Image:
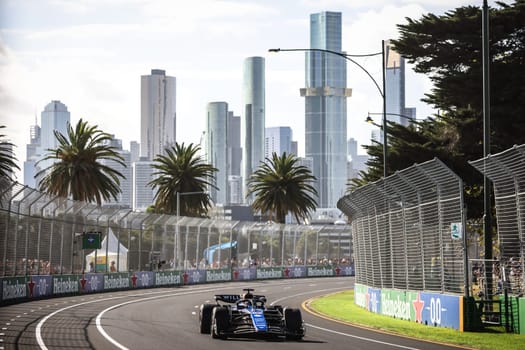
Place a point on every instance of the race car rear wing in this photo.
(233, 298)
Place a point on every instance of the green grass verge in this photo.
(341, 306)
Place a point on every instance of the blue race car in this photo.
(246, 315)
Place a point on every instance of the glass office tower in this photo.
(395, 88)
(253, 115)
(278, 139)
(218, 149)
(325, 108)
(157, 113)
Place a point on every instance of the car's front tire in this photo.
(220, 322)
(205, 315)
(293, 322)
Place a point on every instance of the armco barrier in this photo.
(26, 288)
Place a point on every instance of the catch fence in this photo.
(42, 234)
(506, 170)
(408, 230)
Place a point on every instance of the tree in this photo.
(78, 172)
(7, 161)
(281, 186)
(448, 48)
(182, 171)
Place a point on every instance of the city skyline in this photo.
(91, 57)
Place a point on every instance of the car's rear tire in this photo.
(293, 323)
(205, 318)
(220, 321)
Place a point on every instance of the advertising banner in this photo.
(194, 276)
(360, 292)
(39, 286)
(440, 310)
(320, 271)
(92, 283)
(394, 303)
(219, 275)
(244, 274)
(294, 272)
(142, 279)
(344, 270)
(66, 284)
(168, 278)
(269, 272)
(13, 288)
(116, 281)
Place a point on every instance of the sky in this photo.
(90, 54)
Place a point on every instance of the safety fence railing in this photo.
(408, 230)
(42, 234)
(506, 170)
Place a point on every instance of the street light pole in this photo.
(382, 92)
(385, 131)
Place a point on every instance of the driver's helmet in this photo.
(247, 295)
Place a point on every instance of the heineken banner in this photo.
(220, 275)
(269, 272)
(320, 271)
(13, 288)
(168, 278)
(116, 281)
(66, 284)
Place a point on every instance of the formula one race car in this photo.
(247, 316)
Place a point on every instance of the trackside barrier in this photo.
(506, 170)
(433, 309)
(410, 246)
(408, 230)
(47, 235)
(26, 288)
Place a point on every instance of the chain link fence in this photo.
(506, 170)
(408, 230)
(42, 234)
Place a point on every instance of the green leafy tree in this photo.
(78, 172)
(448, 48)
(281, 186)
(7, 161)
(182, 171)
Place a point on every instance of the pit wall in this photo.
(27, 288)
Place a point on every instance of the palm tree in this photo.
(281, 186)
(7, 161)
(182, 171)
(78, 172)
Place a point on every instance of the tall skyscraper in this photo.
(32, 155)
(134, 149)
(325, 108)
(235, 144)
(253, 117)
(125, 197)
(142, 193)
(395, 87)
(157, 113)
(278, 139)
(55, 116)
(218, 149)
